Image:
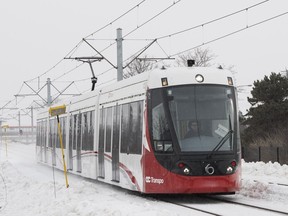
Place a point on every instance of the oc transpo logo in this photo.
(152, 180)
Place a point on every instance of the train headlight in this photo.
(199, 78)
(229, 170)
(164, 81)
(230, 80)
(186, 171)
(232, 167)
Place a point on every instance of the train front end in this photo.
(192, 138)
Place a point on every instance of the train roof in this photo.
(188, 75)
(156, 78)
(175, 76)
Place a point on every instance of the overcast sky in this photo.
(35, 35)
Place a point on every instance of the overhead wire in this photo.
(212, 21)
(152, 18)
(110, 23)
(159, 38)
(179, 32)
(79, 43)
(98, 30)
(73, 50)
(229, 34)
(144, 23)
(133, 30)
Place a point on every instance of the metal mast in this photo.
(119, 55)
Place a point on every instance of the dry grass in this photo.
(278, 138)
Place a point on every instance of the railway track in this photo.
(211, 205)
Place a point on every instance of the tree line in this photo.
(266, 122)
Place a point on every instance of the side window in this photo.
(124, 128)
(91, 117)
(88, 130)
(71, 131)
(44, 130)
(63, 128)
(75, 117)
(102, 127)
(79, 122)
(116, 126)
(38, 133)
(108, 130)
(51, 129)
(131, 127)
(136, 127)
(85, 131)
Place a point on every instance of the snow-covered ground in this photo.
(27, 188)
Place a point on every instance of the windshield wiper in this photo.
(221, 143)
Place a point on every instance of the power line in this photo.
(212, 21)
(232, 33)
(69, 71)
(152, 18)
(144, 23)
(170, 35)
(216, 39)
(136, 6)
(77, 46)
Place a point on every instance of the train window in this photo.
(91, 121)
(84, 131)
(38, 133)
(87, 130)
(101, 128)
(78, 146)
(56, 136)
(71, 132)
(199, 116)
(108, 130)
(44, 133)
(116, 126)
(51, 133)
(125, 128)
(136, 127)
(131, 128)
(74, 131)
(162, 139)
(63, 133)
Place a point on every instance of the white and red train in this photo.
(173, 130)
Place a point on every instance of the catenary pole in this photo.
(119, 55)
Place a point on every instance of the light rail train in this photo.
(172, 130)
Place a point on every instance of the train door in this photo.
(78, 142)
(52, 143)
(46, 137)
(101, 144)
(40, 138)
(71, 140)
(115, 144)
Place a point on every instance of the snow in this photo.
(27, 188)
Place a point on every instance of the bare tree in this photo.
(138, 66)
(202, 57)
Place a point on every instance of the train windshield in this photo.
(193, 118)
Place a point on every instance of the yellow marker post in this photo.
(56, 111)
